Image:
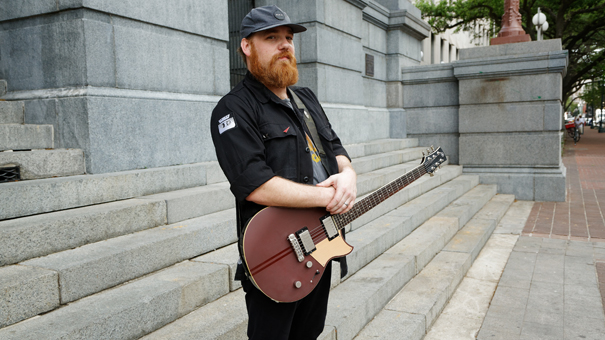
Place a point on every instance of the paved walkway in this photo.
(552, 264)
(553, 285)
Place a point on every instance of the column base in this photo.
(529, 184)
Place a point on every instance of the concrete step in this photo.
(12, 112)
(40, 235)
(379, 146)
(132, 310)
(52, 194)
(358, 298)
(410, 314)
(89, 269)
(37, 164)
(382, 160)
(92, 268)
(25, 137)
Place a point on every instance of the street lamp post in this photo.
(601, 121)
(539, 20)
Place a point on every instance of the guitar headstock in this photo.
(433, 159)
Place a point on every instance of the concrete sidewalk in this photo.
(542, 274)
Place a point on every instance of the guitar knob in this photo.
(297, 284)
(309, 264)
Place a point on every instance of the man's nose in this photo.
(284, 44)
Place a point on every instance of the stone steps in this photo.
(359, 297)
(37, 164)
(98, 265)
(40, 196)
(411, 313)
(26, 137)
(117, 252)
(38, 161)
(39, 235)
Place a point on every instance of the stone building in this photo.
(122, 225)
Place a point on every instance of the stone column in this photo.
(132, 83)
(510, 117)
(430, 100)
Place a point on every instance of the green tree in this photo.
(578, 23)
(593, 94)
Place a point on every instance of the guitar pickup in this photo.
(307, 242)
(329, 227)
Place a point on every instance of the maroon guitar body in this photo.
(286, 250)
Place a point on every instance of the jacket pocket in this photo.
(281, 151)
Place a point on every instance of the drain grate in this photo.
(9, 174)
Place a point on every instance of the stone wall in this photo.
(498, 112)
(511, 117)
(133, 83)
(430, 100)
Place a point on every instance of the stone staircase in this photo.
(30, 147)
(151, 253)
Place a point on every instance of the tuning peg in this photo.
(432, 148)
(431, 174)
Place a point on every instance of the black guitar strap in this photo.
(312, 129)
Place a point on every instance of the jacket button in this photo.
(306, 179)
(307, 149)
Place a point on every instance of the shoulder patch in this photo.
(226, 123)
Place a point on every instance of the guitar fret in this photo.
(378, 196)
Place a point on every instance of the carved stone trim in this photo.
(358, 3)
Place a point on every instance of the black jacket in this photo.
(257, 137)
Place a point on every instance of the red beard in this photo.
(279, 73)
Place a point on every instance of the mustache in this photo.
(287, 54)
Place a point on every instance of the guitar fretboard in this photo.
(378, 196)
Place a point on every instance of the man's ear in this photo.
(246, 47)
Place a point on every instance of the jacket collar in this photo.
(259, 90)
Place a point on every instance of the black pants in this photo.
(300, 320)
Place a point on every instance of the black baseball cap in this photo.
(266, 17)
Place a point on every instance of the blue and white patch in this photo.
(226, 123)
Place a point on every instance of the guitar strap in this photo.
(312, 129)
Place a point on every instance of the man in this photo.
(580, 122)
(267, 145)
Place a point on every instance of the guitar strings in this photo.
(318, 233)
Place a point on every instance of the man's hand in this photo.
(345, 183)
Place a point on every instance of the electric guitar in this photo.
(286, 250)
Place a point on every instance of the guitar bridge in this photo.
(329, 227)
(296, 246)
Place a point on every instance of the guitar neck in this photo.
(378, 196)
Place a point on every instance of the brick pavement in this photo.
(581, 217)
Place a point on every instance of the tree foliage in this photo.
(578, 23)
(594, 94)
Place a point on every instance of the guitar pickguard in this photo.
(327, 250)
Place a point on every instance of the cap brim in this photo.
(295, 28)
